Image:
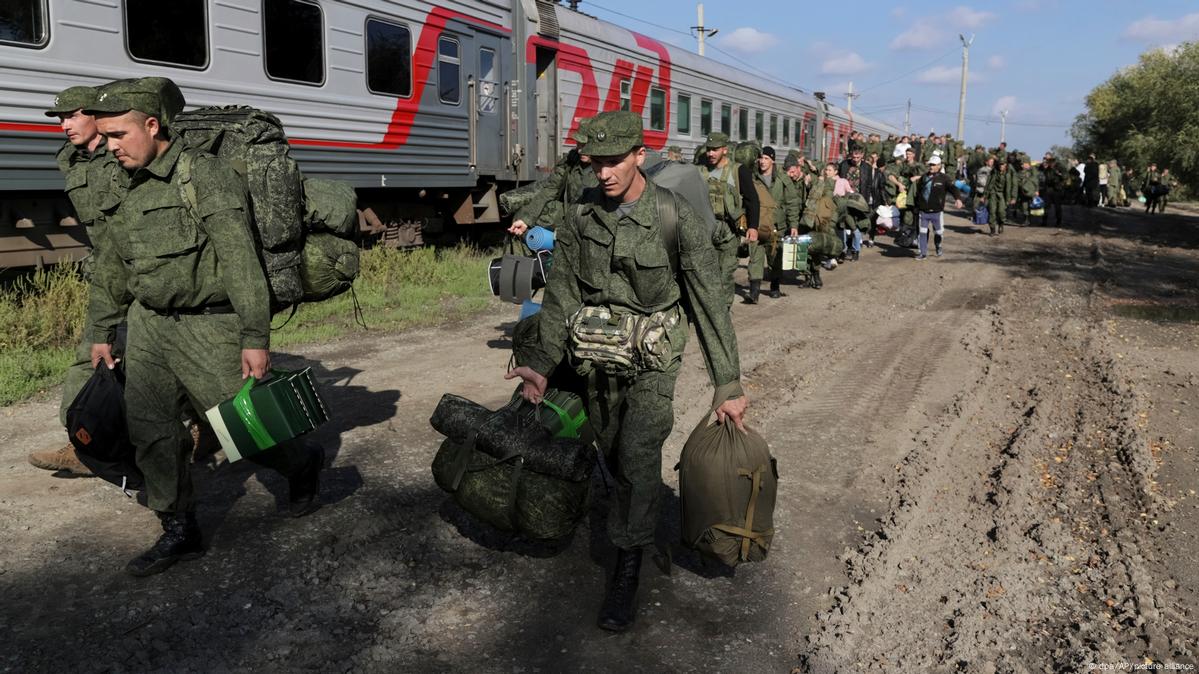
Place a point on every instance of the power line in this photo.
(900, 77)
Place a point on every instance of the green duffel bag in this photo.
(728, 483)
(521, 468)
(825, 244)
(502, 493)
(328, 266)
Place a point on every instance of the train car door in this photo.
(491, 101)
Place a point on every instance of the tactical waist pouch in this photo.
(622, 344)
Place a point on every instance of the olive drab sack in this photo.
(253, 141)
(728, 483)
(330, 206)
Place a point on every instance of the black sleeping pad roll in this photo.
(509, 432)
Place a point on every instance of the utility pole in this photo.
(849, 96)
(699, 31)
(965, 69)
(907, 120)
(1002, 126)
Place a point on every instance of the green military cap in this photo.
(155, 96)
(610, 134)
(717, 140)
(71, 99)
(791, 160)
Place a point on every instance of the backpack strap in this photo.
(668, 225)
(183, 167)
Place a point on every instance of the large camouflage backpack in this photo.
(746, 153)
(300, 267)
(253, 141)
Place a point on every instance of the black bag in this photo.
(97, 429)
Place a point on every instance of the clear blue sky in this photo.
(1036, 58)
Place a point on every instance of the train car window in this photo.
(787, 131)
(626, 95)
(774, 129)
(657, 110)
(174, 33)
(683, 115)
(705, 117)
(759, 126)
(388, 58)
(293, 33)
(743, 124)
(489, 82)
(449, 71)
(23, 23)
(726, 118)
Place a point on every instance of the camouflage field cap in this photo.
(792, 160)
(580, 134)
(717, 140)
(71, 99)
(610, 134)
(155, 96)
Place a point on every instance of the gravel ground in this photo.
(987, 464)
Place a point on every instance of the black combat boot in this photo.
(304, 486)
(180, 541)
(620, 607)
(755, 290)
(816, 284)
(775, 291)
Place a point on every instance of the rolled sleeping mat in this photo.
(539, 238)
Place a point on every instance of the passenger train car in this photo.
(429, 109)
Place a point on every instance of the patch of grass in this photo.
(26, 372)
(42, 314)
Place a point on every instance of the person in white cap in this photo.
(930, 204)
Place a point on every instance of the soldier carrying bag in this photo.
(728, 482)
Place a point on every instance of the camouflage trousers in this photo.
(632, 418)
(167, 358)
(765, 260)
(726, 244)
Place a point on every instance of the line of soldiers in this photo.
(181, 280)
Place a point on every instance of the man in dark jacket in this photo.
(1090, 182)
(860, 175)
(1055, 181)
(930, 203)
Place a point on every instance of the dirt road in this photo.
(988, 464)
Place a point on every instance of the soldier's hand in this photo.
(255, 363)
(752, 235)
(733, 410)
(957, 203)
(534, 383)
(103, 352)
(794, 232)
(518, 228)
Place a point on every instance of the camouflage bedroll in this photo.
(328, 267)
(330, 206)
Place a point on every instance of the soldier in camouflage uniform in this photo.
(909, 172)
(1055, 183)
(611, 259)
(189, 282)
(92, 179)
(1000, 193)
(779, 215)
(729, 181)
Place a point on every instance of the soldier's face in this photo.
(617, 173)
(765, 164)
(795, 172)
(79, 128)
(130, 138)
(715, 155)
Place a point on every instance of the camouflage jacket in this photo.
(156, 250)
(545, 204)
(1002, 186)
(604, 259)
(786, 199)
(94, 180)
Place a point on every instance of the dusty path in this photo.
(985, 467)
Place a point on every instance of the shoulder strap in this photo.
(668, 225)
(188, 189)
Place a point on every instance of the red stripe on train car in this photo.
(30, 128)
(402, 119)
